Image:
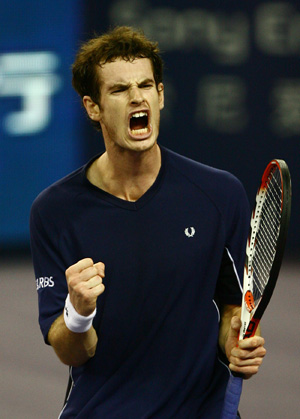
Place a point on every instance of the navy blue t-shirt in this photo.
(168, 258)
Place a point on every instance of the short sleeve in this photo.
(48, 267)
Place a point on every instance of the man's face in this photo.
(130, 104)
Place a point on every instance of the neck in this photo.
(127, 175)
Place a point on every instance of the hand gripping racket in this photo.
(264, 252)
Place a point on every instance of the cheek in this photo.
(113, 123)
(109, 117)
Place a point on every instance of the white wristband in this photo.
(75, 321)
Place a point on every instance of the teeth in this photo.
(139, 131)
(139, 114)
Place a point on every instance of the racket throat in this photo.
(249, 322)
(252, 327)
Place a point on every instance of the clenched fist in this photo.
(84, 280)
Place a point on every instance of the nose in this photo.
(136, 97)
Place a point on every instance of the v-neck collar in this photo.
(129, 205)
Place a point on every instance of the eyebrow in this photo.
(118, 86)
(121, 85)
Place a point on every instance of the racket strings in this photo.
(267, 234)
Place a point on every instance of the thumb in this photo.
(233, 334)
(235, 326)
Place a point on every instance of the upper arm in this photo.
(49, 268)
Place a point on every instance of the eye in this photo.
(119, 90)
(146, 86)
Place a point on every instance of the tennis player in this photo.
(139, 254)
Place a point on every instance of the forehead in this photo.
(121, 71)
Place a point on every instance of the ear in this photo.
(161, 96)
(92, 108)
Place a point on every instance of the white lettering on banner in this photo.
(277, 29)
(224, 36)
(30, 76)
(285, 103)
(221, 103)
(225, 39)
(44, 282)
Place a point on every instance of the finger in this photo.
(100, 268)
(79, 266)
(88, 274)
(91, 295)
(248, 354)
(84, 299)
(98, 290)
(93, 282)
(78, 281)
(235, 325)
(234, 331)
(240, 362)
(251, 343)
(247, 371)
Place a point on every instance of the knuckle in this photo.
(86, 262)
(68, 271)
(92, 272)
(80, 289)
(71, 280)
(254, 342)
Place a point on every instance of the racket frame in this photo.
(250, 320)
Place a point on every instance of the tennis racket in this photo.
(264, 253)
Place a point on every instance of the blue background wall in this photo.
(232, 85)
(40, 117)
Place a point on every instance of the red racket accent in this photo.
(249, 300)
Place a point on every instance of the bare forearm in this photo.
(72, 348)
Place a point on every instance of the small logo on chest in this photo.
(189, 232)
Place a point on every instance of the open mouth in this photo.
(139, 123)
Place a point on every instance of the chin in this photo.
(129, 144)
(143, 145)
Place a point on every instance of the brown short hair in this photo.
(121, 42)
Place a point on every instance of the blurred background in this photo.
(232, 86)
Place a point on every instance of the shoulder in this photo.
(215, 183)
(58, 200)
(59, 192)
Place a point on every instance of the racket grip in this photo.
(232, 397)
